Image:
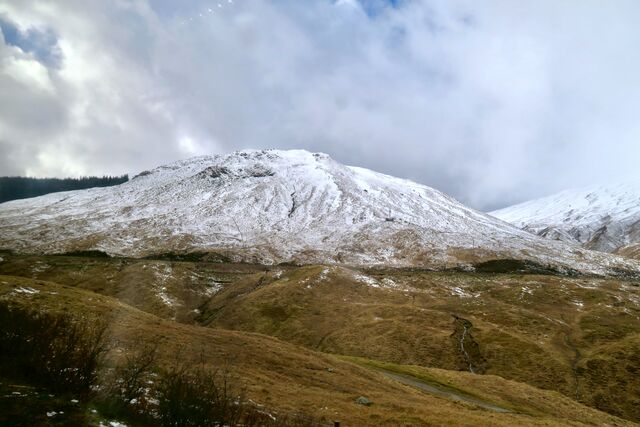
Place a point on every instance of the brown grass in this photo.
(578, 336)
(284, 377)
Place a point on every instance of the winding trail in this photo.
(444, 392)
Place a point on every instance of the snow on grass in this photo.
(112, 424)
(589, 285)
(309, 282)
(369, 281)
(213, 288)
(525, 290)
(461, 291)
(166, 298)
(385, 283)
(26, 290)
(162, 277)
(456, 290)
(277, 206)
(390, 284)
(324, 274)
(39, 267)
(604, 216)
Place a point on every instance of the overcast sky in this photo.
(493, 102)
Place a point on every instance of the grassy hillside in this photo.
(631, 251)
(575, 335)
(287, 378)
(578, 336)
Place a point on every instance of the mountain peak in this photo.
(604, 217)
(272, 206)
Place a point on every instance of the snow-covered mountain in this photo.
(277, 206)
(603, 218)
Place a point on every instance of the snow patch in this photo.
(112, 424)
(456, 290)
(213, 288)
(162, 275)
(369, 281)
(321, 277)
(39, 267)
(26, 290)
(578, 303)
(590, 285)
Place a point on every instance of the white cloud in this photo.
(493, 103)
(30, 73)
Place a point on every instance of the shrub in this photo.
(198, 397)
(55, 351)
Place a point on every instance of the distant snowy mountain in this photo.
(605, 218)
(279, 206)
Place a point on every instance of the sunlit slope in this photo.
(284, 377)
(575, 335)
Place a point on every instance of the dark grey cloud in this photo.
(494, 103)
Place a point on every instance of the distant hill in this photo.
(603, 218)
(20, 187)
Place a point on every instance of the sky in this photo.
(494, 102)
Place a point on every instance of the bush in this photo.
(63, 355)
(182, 396)
(198, 397)
(55, 351)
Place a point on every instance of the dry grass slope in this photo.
(287, 378)
(578, 336)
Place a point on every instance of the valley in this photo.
(575, 337)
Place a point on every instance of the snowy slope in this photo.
(604, 218)
(275, 206)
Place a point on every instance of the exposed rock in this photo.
(363, 401)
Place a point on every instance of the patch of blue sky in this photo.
(42, 44)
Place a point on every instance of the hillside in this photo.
(280, 206)
(602, 218)
(282, 377)
(575, 335)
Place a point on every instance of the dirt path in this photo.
(443, 392)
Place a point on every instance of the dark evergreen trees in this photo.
(18, 187)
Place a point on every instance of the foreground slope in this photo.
(279, 206)
(603, 218)
(575, 335)
(284, 378)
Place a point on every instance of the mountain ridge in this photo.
(604, 218)
(271, 206)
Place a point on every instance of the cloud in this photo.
(493, 103)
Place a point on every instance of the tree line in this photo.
(19, 187)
